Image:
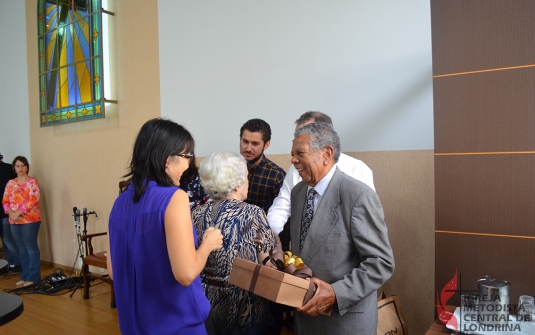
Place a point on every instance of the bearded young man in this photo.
(265, 181)
(265, 177)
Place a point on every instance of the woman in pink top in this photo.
(21, 202)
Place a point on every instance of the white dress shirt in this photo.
(279, 212)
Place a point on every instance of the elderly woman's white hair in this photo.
(221, 173)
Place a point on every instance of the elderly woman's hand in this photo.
(213, 238)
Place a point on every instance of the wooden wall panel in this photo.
(474, 257)
(404, 181)
(491, 194)
(491, 112)
(484, 91)
(481, 34)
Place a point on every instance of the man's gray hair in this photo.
(313, 116)
(221, 173)
(322, 135)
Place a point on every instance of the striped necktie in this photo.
(307, 215)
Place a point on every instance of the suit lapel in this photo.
(325, 216)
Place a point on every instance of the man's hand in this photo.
(323, 299)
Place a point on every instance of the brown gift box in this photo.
(271, 284)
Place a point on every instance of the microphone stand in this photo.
(85, 230)
(80, 251)
(85, 215)
(77, 226)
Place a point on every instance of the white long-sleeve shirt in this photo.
(279, 212)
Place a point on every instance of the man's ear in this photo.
(328, 155)
(266, 145)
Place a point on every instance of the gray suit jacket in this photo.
(347, 246)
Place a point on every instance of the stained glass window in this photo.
(71, 68)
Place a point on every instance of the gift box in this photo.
(271, 284)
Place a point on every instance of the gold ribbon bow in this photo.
(292, 264)
(291, 259)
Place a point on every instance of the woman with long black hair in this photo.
(153, 256)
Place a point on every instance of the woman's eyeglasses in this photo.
(187, 156)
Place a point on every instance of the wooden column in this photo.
(484, 110)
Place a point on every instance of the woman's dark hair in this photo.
(23, 160)
(157, 140)
(189, 175)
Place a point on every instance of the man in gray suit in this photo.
(337, 227)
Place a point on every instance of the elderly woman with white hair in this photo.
(246, 234)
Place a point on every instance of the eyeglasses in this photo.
(187, 156)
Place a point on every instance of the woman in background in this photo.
(246, 235)
(153, 257)
(21, 203)
(191, 184)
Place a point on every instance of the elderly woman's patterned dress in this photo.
(245, 234)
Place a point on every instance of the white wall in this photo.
(365, 63)
(14, 109)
